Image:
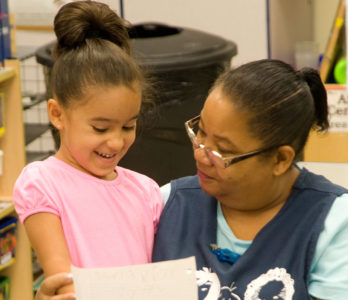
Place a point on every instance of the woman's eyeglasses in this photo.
(215, 157)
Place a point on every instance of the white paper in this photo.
(169, 280)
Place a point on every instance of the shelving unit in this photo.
(32, 131)
(13, 145)
(38, 139)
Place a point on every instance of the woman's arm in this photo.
(328, 274)
(50, 285)
(46, 235)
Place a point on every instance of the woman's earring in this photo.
(59, 127)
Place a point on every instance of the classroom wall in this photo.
(323, 16)
(244, 22)
(290, 22)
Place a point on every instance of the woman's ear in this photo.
(55, 113)
(283, 159)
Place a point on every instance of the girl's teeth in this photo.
(105, 155)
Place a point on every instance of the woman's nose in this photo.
(201, 156)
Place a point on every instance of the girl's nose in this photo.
(115, 143)
(201, 156)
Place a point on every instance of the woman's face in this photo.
(224, 128)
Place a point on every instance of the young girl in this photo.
(78, 207)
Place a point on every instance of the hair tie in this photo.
(93, 33)
(300, 75)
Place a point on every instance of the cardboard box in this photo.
(333, 145)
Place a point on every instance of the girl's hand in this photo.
(49, 287)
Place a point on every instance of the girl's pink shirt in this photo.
(106, 223)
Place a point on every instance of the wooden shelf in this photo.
(13, 145)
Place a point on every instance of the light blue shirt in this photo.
(328, 277)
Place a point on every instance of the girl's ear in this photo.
(55, 113)
(283, 160)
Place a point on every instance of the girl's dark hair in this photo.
(283, 104)
(92, 50)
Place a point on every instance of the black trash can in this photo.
(183, 64)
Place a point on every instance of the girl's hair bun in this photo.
(78, 21)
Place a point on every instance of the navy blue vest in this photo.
(278, 261)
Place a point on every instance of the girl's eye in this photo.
(129, 128)
(97, 129)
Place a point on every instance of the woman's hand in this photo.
(49, 287)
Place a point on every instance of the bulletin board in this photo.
(41, 13)
(33, 13)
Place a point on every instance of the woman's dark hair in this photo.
(284, 104)
(92, 50)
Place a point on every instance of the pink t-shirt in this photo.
(106, 223)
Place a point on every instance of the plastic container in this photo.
(306, 54)
(340, 71)
(183, 63)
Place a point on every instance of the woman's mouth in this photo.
(203, 175)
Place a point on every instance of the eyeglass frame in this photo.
(228, 161)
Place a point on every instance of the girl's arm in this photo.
(46, 235)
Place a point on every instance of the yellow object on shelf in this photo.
(9, 263)
(6, 208)
(6, 73)
(2, 126)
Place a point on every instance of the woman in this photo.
(251, 131)
(258, 225)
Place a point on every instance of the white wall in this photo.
(243, 22)
(290, 22)
(324, 14)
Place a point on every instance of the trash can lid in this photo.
(165, 48)
(181, 48)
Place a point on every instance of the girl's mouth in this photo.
(104, 155)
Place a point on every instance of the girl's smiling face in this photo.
(97, 132)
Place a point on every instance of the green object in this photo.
(340, 71)
(4, 288)
(38, 282)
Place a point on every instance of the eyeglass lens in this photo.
(212, 155)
